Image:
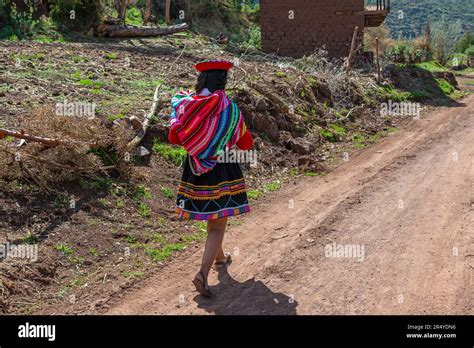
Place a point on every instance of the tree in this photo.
(444, 35)
(464, 43)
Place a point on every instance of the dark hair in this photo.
(213, 80)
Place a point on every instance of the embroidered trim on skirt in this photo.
(219, 193)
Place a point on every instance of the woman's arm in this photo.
(246, 141)
(173, 138)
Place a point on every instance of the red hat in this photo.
(214, 65)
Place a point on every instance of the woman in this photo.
(207, 123)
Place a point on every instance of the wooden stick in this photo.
(146, 123)
(147, 14)
(43, 140)
(21, 135)
(377, 58)
(168, 10)
(155, 107)
(351, 52)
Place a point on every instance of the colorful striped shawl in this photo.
(206, 126)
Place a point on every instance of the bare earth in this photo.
(408, 201)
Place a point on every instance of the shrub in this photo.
(77, 14)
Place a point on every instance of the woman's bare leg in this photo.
(213, 248)
(221, 256)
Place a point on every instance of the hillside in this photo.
(416, 13)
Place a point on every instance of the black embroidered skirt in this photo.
(213, 195)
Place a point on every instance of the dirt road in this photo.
(402, 212)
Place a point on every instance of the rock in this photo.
(301, 146)
(261, 105)
(459, 67)
(142, 151)
(305, 161)
(284, 139)
(272, 129)
(135, 122)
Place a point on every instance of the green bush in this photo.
(469, 51)
(77, 14)
(254, 37)
(20, 25)
(134, 16)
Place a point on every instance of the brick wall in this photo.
(316, 23)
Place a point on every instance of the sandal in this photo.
(201, 286)
(227, 262)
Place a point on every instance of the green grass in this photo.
(465, 71)
(130, 239)
(311, 174)
(445, 86)
(432, 66)
(254, 194)
(334, 133)
(164, 252)
(91, 83)
(9, 138)
(158, 238)
(111, 56)
(327, 134)
(144, 210)
(173, 154)
(141, 193)
(272, 186)
(119, 116)
(96, 183)
(448, 89)
(29, 239)
(168, 192)
(394, 94)
(79, 59)
(64, 249)
(197, 236)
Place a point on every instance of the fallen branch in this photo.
(115, 30)
(155, 108)
(38, 139)
(146, 123)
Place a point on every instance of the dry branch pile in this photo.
(77, 146)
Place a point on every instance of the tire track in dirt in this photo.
(406, 200)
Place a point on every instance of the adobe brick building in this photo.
(298, 27)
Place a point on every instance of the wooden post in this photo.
(147, 14)
(123, 10)
(168, 10)
(351, 53)
(378, 60)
